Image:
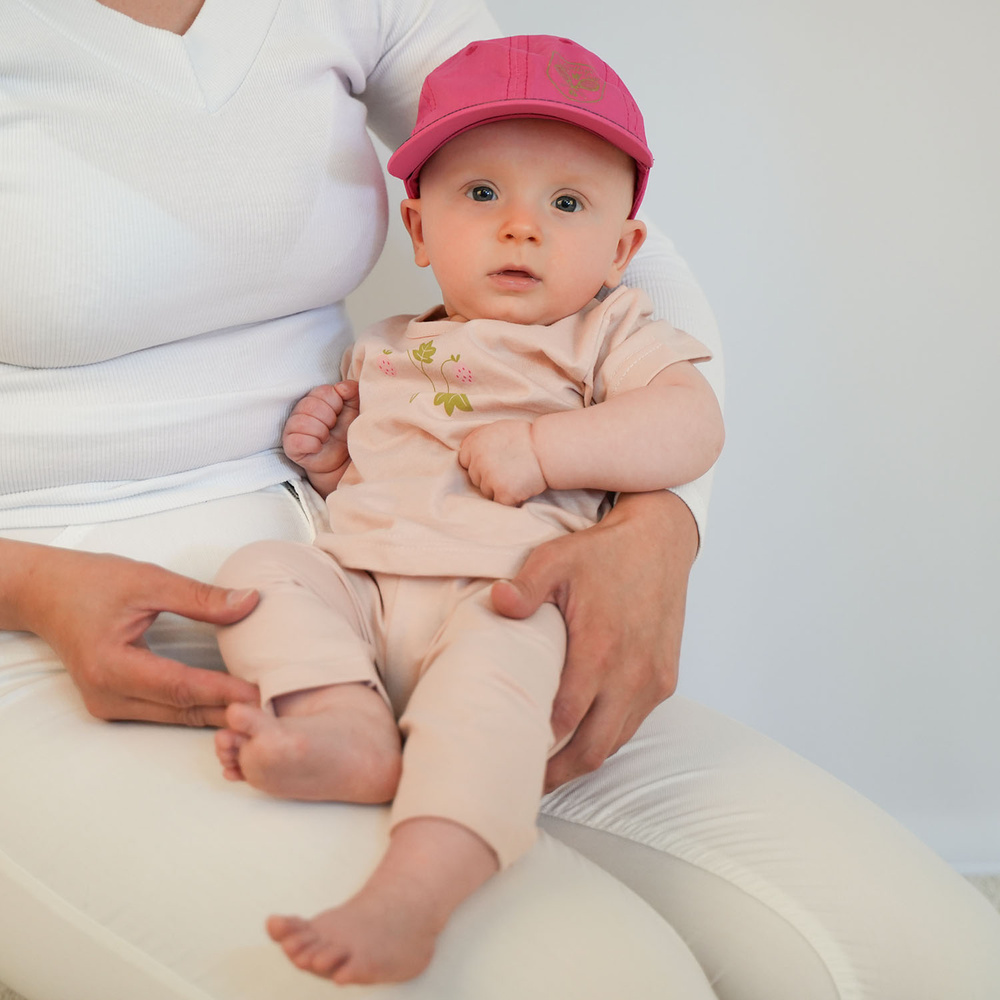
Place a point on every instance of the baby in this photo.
(489, 424)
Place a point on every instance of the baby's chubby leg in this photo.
(309, 645)
(331, 744)
(387, 931)
(477, 731)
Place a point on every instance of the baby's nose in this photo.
(520, 226)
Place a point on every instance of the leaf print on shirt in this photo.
(452, 401)
(423, 356)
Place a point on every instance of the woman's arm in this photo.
(621, 587)
(413, 39)
(93, 610)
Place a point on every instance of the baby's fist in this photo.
(315, 434)
(501, 462)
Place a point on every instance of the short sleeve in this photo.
(415, 37)
(635, 348)
(350, 363)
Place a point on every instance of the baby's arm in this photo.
(663, 434)
(315, 434)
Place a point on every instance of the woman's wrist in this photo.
(661, 516)
(20, 562)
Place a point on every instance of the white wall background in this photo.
(831, 172)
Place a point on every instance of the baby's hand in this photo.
(501, 462)
(315, 434)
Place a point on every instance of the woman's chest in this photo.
(171, 15)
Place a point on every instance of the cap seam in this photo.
(543, 100)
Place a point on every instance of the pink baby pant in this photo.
(472, 690)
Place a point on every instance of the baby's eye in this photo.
(567, 203)
(482, 192)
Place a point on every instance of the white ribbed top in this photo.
(182, 218)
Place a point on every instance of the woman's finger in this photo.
(142, 686)
(161, 590)
(593, 742)
(137, 710)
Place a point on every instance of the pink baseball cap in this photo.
(525, 76)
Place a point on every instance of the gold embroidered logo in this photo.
(578, 81)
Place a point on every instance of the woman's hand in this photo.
(93, 610)
(621, 587)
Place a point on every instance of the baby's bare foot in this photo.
(387, 932)
(347, 751)
(364, 941)
(228, 744)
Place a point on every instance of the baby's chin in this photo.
(515, 310)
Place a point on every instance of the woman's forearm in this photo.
(662, 515)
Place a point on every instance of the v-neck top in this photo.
(183, 216)
(202, 67)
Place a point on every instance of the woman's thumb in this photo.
(518, 598)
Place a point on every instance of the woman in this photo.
(189, 193)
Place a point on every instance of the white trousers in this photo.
(702, 862)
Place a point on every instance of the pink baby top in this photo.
(405, 505)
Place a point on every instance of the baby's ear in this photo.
(410, 210)
(633, 235)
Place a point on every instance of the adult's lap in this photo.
(124, 851)
(129, 867)
(784, 882)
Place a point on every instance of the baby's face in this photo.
(524, 220)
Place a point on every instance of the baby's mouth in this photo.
(516, 274)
